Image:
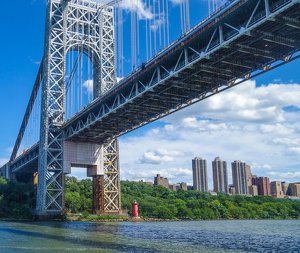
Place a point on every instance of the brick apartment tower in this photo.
(249, 175)
(276, 189)
(158, 180)
(239, 177)
(263, 185)
(220, 175)
(200, 174)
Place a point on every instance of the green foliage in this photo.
(78, 195)
(16, 199)
(160, 202)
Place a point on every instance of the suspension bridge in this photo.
(81, 109)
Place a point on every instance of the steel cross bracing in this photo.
(83, 26)
(245, 39)
(241, 41)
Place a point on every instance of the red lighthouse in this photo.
(135, 210)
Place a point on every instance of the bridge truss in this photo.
(87, 27)
(244, 39)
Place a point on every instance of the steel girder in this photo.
(87, 27)
(112, 195)
(215, 55)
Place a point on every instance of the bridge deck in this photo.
(218, 53)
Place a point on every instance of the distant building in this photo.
(232, 190)
(286, 189)
(276, 189)
(142, 181)
(173, 187)
(249, 175)
(183, 186)
(158, 180)
(239, 177)
(295, 189)
(220, 176)
(263, 185)
(253, 190)
(200, 174)
(190, 188)
(176, 187)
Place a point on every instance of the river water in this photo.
(180, 236)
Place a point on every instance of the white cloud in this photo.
(287, 142)
(277, 129)
(238, 124)
(294, 151)
(173, 174)
(288, 176)
(245, 103)
(160, 156)
(89, 85)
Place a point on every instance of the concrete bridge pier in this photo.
(102, 164)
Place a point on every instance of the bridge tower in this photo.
(88, 27)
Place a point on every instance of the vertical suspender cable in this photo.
(150, 41)
(81, 59)
(187, 15)
(184, 16)
(181, 17)
(154, 27)
(132, 36)
(208, 7)
(72, 84)
(167, 7)
(146, 21)
(159, 24)
(163, 20)
(138, 33)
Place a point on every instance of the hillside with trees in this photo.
(17, 199)
(158, 201)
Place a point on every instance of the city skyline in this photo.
(263, 112)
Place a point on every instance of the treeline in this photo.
(160, 202)
(16, 199)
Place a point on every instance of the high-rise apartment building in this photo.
(239, 177)
(200, 174)
(249, 175)
(220, 176)
(263, 185)
(158, 180)
(286, 189)
(295, 189)
(276, 189)
(253, 190)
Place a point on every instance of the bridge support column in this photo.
(98, 195)
(112, 187)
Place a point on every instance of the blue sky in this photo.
(256, 122)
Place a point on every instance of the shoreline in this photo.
(131, 220)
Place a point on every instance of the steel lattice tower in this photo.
(87, 27)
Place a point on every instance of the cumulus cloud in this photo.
(255, 166)
(294, 151)
(160, 156)
(89, 85)
(173, 174)
(287, 142)
(277, 129)
(246, 123)
(138, 6)
(288, 176)
(246, 103)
